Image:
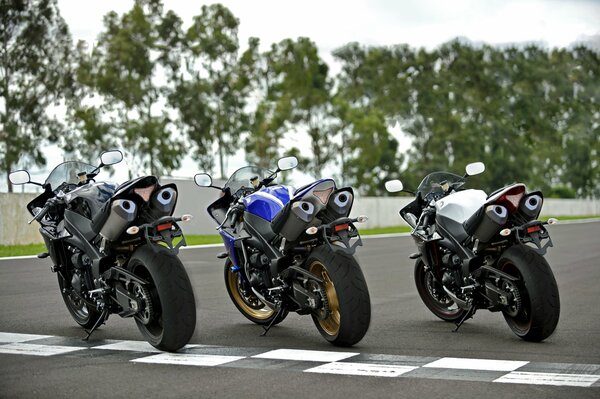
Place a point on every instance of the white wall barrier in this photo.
(382, 211)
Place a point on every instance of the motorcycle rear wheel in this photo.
(539, 311)
(433, 296)
(172, 321)
(347, 295)
(246, 302)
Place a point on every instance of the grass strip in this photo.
(193, 239)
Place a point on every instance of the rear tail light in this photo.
(512, 198)
(144, 192)
(341, 227)
(533, 229)
(164, 226)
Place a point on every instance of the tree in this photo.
(132, 69)
(267, 118)
(305, 94)
(211, 99)
(35, 75)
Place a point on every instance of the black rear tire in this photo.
(246, 302)
(347, 295)
(433, 296)
(82, 313)
(540, 302)
(174, 309)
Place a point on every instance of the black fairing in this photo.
(455, 228)
(144, 181)
(259, 225)
(89, 200)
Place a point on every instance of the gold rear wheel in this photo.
(331, 323)
(346, 312)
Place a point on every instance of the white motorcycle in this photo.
(479, 251)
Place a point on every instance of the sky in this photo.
(333, 23)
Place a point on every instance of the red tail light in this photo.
(341, 227)
(164, 226)
(533, 229)
(512, 198)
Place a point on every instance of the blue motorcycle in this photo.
(292, 250)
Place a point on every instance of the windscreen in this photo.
(67, 173)
(433, 182)
(241, 177)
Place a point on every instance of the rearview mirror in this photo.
(287, 163)
(394, 186)
(19, 177)
(203, 180)
(475, 168)
(111, 157)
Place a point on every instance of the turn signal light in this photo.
(186, 218)
(312, 230)
(552, 221)
(505, 232)
(362, 219)
(133, 230)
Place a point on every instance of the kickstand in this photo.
(267, 328)
(100, 321)
(470, 313)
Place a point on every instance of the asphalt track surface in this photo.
(401, 328)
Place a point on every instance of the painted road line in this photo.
(187, 359)
(476, 364)
(316, 362)
(364, 369)
(37, 350)
(305, 355)
(134, 346)
(15, 337)
(531, 378)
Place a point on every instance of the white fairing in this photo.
(461, 205)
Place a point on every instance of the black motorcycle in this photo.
(482, 252)
(114, 250)
(292, 250)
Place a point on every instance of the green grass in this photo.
(202, 239)
(21, 250)
(34, 249)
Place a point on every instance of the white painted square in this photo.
(187, 359)
(134, 346)
(531, 378)
(366, 369)
(476, 364)
(305, 355)
(19, 348)
(14, 337)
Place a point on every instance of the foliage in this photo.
(122, 71)
(35, 76)
(149, 86)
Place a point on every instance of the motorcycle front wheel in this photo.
(168, 316)
(433, 296)
(246, 302)
(83, 314)
(535, 310)
(348, 315)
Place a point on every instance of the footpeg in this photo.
(416, 255)
(43, 255)
(222, 255)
